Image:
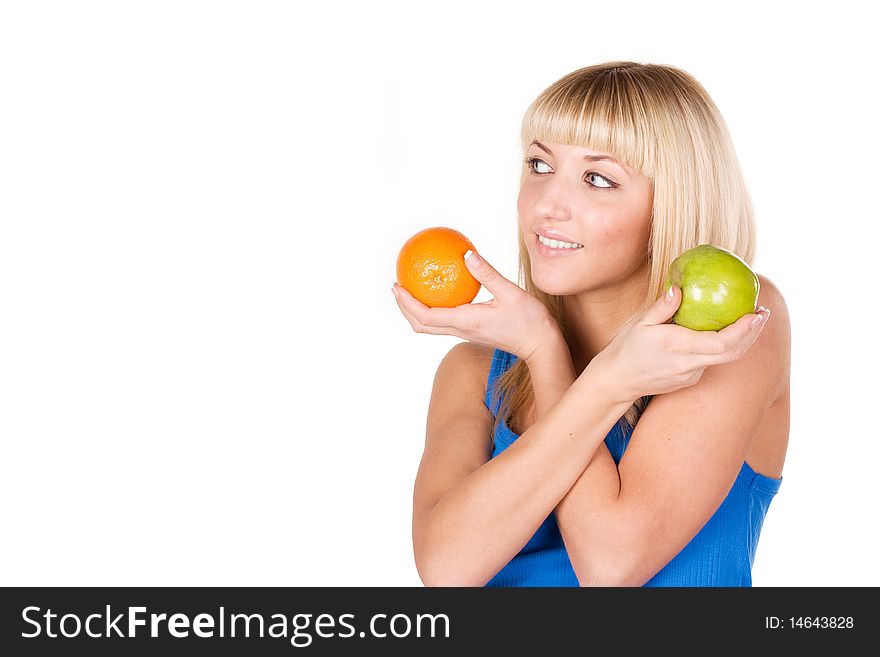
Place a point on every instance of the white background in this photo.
(204, 379)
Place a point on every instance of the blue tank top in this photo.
(721, 554)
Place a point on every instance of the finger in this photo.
(487, 275)
(408, 304)
(664, 308)
(425, 315)
(412, 320)
(418, 326)
(457, 320)
(735, 340)
(746, 327)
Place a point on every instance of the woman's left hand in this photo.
(513, 321)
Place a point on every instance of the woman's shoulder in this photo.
(770, 296)
(467, 362)
(774, 342)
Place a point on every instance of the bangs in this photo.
(604, 112)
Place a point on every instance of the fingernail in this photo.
(763, 316)
(471, 258)
(394, 289)
(669, 294)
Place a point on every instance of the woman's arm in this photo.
(683, 457)
(552, 373)
(469, 521)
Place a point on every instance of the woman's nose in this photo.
(553, 202)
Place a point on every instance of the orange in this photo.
(431, 268)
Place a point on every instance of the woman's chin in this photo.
(552, 285)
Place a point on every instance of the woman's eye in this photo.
(605, 184)
(533, 164)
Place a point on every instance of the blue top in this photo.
(721, 554)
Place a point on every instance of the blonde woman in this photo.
(579, 437)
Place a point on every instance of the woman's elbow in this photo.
(609, 571)
(437, 574)
(437, 567)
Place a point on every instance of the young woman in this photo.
(579, 437)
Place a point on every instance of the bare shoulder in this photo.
(467, 364)
(773, 346)
(457, 408)
(771, 297)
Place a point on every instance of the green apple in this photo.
(717, 288)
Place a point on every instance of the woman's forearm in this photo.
(598, 486)
(552, 373)
(477, 527)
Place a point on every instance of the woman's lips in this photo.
(550, 252)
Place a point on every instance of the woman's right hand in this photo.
(513, 320)
(649, 356)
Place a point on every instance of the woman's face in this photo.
(601, 205)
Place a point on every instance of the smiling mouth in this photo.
(558, 244)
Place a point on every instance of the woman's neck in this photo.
(595, 316)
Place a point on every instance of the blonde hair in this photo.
(662, 123)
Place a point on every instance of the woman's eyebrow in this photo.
(588, 158)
